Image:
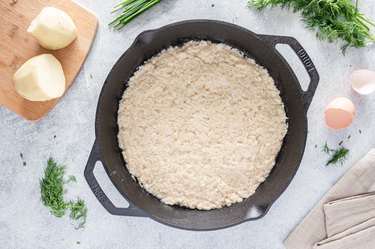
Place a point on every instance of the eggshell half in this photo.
(339, 113)
(363, 81)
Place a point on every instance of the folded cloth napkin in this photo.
(357, 237)
(343, 214)
(358, 180)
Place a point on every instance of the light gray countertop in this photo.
(26, 223)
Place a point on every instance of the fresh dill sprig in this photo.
(52, 188)
(338, 156)
(78, 211)
(331, 19)
(71, 179)
(326, 149)
(52, 193)
(129, 10)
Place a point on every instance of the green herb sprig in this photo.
(331, 19)
(78, 211)
(52, 193)
(52, 188)
(337, 155)
(129, 10)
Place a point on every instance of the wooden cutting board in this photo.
(17, 46)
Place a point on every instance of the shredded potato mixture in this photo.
(200, 125)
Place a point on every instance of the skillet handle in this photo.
(308, 95)
(94, 157)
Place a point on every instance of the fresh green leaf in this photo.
(72, 179)
(338, 156)
(332, 20)
(52, 188)
(52, 193)
(78, 211)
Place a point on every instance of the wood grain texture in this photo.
(17, 46)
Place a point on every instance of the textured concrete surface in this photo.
(26, 223)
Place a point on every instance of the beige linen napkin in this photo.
(345, 213)
(358, 180)
(357, 237)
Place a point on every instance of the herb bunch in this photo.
(52, 193)
(332, 19)
(129, 10)
(337, 155)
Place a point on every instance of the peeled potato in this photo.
(41, 78)
(53, 29)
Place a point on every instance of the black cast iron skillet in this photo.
(259, 47)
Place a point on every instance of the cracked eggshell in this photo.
(339, 113)
(363, 81)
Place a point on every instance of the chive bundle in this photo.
(129, 10)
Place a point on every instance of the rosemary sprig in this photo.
(130, 9)
(331, 19)
(52, 193)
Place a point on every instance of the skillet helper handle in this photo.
(94, 157)
(308, 95)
